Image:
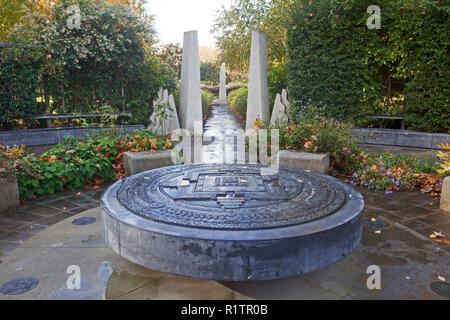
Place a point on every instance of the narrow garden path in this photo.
(220, 128)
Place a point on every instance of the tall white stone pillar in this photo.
(258, 88)
(190, 92)
(222, 101)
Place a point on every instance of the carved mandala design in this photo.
(230, 196)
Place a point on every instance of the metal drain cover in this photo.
(376, 224)
(19, 286)
(441, 288)
(84, 221)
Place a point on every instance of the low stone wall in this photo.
(445, 195)
(402, 138)
(52, 136)
(303, 160)
(9, 194)
(135, 162)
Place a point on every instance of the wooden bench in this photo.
(388, 116)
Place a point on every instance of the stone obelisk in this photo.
(258, 88)
(190, 92)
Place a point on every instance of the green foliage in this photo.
(395, 172)
(278, 80)
(233, 28)
(109, 60)
(428, 90)
(75, 163)
(207, 99)
(171, 55)
(238, 101)
(209, 73)
(18, 86)
(324, 135)
(326, 63)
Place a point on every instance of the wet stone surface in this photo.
(19, 286)
(220, 130)
(84, 221)
(34, 216)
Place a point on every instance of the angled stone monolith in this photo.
(190, 92)
(281, 109)
(164, 125)
(258, 89)
(284, 100)
(172, 122)
(278, 112)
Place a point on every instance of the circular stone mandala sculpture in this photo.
(231, 222)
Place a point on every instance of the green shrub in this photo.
(238, 100)
(324, 135)
(428, 90)
(207, 99)
(19, 85)
(278, 80)
(327, 51)
(75, 163)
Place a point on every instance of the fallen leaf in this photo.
(442, 240)
(432, 236)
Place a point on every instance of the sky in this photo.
(174, 17)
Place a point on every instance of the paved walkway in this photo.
(222, 124)
(34, 216)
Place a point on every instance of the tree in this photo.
(233, 31)
(172, 55)
(209, 73)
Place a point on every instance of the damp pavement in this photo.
(220, 129)
(45, 238)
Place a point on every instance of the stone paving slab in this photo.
(34, 216)
(409, 262)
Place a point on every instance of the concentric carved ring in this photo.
(231, 197)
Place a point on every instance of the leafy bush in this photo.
(8, 158)
(207, 99)
(75, 162)
(327, 65)
(18, 85)
(323, 135)
(278, 80)
(209, 73)
(238, 101)
(428, 90)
